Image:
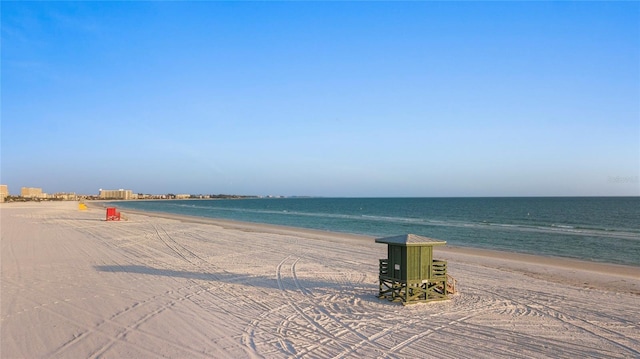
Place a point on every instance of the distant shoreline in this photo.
(356, 197)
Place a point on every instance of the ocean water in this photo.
(600, 229)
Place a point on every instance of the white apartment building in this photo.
(117, 194)
(32, 192)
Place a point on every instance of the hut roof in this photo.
(410, 240)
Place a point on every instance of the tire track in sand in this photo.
(595, 330)
(326, 323)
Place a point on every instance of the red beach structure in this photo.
(112, 214)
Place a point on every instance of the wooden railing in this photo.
(384, 267)
(438, 268)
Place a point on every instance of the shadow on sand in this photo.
(362, 290)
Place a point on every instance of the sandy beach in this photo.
(76, 286)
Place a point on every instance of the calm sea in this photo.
(602, 229)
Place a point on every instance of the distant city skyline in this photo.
(134, 195)
(334, 99)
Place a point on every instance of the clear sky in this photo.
(322, 98)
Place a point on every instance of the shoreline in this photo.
(509, 259)
(567, 271)
(568, 262)
(529, 249)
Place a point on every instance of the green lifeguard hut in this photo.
(410, 274)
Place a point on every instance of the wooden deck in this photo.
(435, 288)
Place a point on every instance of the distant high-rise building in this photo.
(117, 194)
(4, 192)
(31, 192)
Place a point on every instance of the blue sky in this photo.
(322, 98)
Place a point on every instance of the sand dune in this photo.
(76, 286)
